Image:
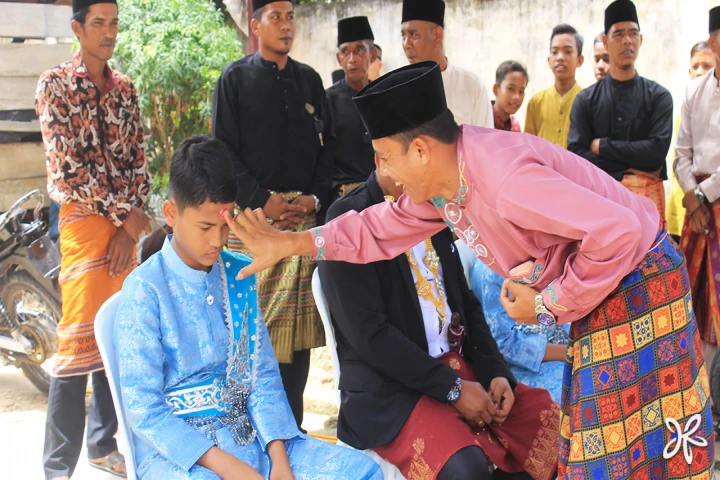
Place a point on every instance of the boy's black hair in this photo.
(507, 67)
(200, 170)
(565, 28)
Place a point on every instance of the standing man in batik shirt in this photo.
(273, 114)
(697, 167)
(97, 171)
(423, 37)
(623, 123)
(548, 113)
(354, 157)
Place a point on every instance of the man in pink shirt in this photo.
(574, 246)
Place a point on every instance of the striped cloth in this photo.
(85, 285)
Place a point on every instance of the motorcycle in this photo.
(30, 301)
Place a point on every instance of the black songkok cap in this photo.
(714, 19)
(258, 4)
(353, 29)
(402, 100)
(338, 75)
(620, 11)
(428, 10)
(78, 5)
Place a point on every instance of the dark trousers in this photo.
(471, 463)
(294, 377)
(65, 423)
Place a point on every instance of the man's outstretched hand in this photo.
(267, 244)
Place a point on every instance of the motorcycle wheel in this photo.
(38, 314)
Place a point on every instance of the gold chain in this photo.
(424, 287)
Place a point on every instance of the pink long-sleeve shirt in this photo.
(527, 200)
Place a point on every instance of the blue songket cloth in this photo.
(523, 346)
(197, 370)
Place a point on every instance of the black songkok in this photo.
(258, 4)
(714, 19)
(78, 5)
(338, 75)
(402, 100)
(428, 10)
(620, 11)
(353, 29)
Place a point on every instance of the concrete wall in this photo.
(480, 34)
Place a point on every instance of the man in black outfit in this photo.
(399, 375)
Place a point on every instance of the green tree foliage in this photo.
(174, 52)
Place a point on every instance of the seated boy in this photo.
(198, 376)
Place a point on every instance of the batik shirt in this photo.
(94, 144)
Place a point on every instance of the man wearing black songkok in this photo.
(273, 114)
(354, 156)
(623, 123)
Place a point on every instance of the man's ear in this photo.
(337, 55)
(496, 89)
(439, 34)
(77, 28)
(422, 148)
(373, 54)
(170, 212)
(255, 27)
(581, 60)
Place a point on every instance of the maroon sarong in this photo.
(434, 431)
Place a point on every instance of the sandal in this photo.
(107, 464)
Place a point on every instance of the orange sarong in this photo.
(651, 188)
(85, 284)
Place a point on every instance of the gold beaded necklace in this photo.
(424, 287)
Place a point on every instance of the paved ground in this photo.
(22, 421)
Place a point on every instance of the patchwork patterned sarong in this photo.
(651, 188)
(286, 299)
(703, 263)
(435, 431)
(85, 285)
(634, 362)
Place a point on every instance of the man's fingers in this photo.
(291, 207)
(251, 269)
(486, 416)
(260, 215)
(232, 223)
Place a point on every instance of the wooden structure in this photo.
(33, 38)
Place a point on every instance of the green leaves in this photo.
(174, 52)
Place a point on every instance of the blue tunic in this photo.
(172, 335)
(523, 346)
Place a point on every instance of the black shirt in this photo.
(261, 113)
(354, 158)
(633, 119)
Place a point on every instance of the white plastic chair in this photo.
(467, 258)
(104, 321)
(390, 471)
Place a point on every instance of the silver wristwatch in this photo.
(699, 195)
(543, 315)
(317, 203)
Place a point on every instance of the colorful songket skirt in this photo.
(703, 258)
(286, 298)
(434, 431)
(634, 362)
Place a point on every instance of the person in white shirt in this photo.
(422, 34)
(697, 167)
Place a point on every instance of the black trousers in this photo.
(65, 423)
(294, 377)
(470, 463)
